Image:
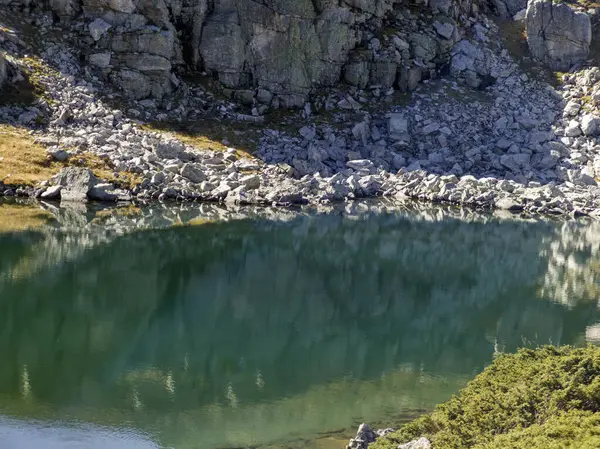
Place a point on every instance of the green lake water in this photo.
(263, 328)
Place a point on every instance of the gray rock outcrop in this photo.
(508, 8)
(76, 183)
(287, 48)
(364, 436)
(3, 71)
(557, 35)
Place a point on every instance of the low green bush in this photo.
(547, 398)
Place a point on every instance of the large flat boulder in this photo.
(557, 35)
(76, 183)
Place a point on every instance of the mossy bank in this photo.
(547, 398)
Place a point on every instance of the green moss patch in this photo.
(547, 398)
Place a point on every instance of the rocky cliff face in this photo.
(3, 71)
(557, 34)
(270, 51)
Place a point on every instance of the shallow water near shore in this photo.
(180, 327)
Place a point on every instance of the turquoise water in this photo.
(272, 328)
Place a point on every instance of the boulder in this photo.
(223, 48)
(584, 177)
(3, 71)
(398, 162)
(516, 162)
(193, 173)
(422, 47)
(398, 127)
(383, 74)
(356, 73)
(134, 84)
(590, 125)
(52, 193)
(101, 60)
(103, 192)
(76, 183)
(126, 6)
(361, 132)
(508, 8)
(511, 204)
(557, 35)
(364, 436)
(66, 10)
(250, 182)
(98, 28)
(573, 129)
(409, 78)
(445, 29)
(58, 154)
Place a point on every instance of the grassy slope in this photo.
(543, 399)
(22, 162)
(25, 163)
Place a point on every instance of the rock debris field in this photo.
(516, 143)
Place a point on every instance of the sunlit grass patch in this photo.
(22, 161)
(103, 170)
(211, 135)
(25, 163)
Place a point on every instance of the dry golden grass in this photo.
(22, 162)
(102, 169)
(209, 135)
(15, 217)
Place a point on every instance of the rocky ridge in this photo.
(268, 53)
(488, 136)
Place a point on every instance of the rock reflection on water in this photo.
(573, 273)
(281, 326)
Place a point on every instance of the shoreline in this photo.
(504, 406)
(519, 145)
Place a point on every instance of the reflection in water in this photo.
(19, 435)
(573, 273)
(254, 332)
